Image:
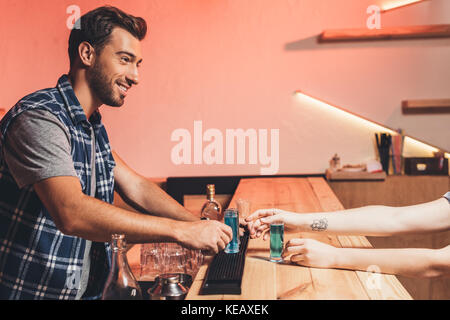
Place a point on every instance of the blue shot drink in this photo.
(231, 219)
(276, 241)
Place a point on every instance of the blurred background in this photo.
(236, 64)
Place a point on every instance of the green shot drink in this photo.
(231, 219)
(276, 241)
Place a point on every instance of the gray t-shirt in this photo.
(37, 147)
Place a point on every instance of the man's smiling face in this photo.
(116, 68)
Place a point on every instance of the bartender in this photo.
(58, 174)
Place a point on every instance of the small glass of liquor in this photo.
(211, 210)
(276, 241)
(243, 206)
(174, 258)
(152, 261)
(232, 219)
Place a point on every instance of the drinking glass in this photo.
(276, 241)
(175, 258)
(152, 261)
(231, 219)
(194, 259)
(243, 206)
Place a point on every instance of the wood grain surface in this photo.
(426, 106)
(264, 280)
(388, 33)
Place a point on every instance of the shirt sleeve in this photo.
(37, 147)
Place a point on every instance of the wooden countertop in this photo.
(264, 280)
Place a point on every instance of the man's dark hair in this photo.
(96, 27)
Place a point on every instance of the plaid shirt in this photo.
(37, 261)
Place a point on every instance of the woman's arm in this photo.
(370, 220)
(419, 263)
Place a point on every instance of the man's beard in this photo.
(103, 87)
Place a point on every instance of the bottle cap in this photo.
(210, 190)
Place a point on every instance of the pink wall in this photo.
(235, 64)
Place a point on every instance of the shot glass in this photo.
(243, 206)
(231, 218)
(194, 259)
(174, 258)
(152, 263)
(276, 241)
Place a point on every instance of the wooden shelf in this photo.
(426, 106)
(391, 33)
(359, 176)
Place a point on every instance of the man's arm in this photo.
(38, 153)
(146, 196)
(432, 216)
(77, 214)
(418, 263)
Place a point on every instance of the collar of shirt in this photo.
(76, 112)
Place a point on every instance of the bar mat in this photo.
(224, 274)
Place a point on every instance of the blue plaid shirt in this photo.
(37, 261)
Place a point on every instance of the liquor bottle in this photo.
(211, 210)
(121, 284)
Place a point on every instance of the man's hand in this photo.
(258, 222)
(311, 253)
(209, 235)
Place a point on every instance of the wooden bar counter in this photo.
(265, 280)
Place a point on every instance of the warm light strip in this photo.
(368, 122)
(421, 144)
(347, 113)
(390, 5)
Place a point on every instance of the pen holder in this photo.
(384, 158)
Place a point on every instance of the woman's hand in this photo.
(311, 253)
(258, 222)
